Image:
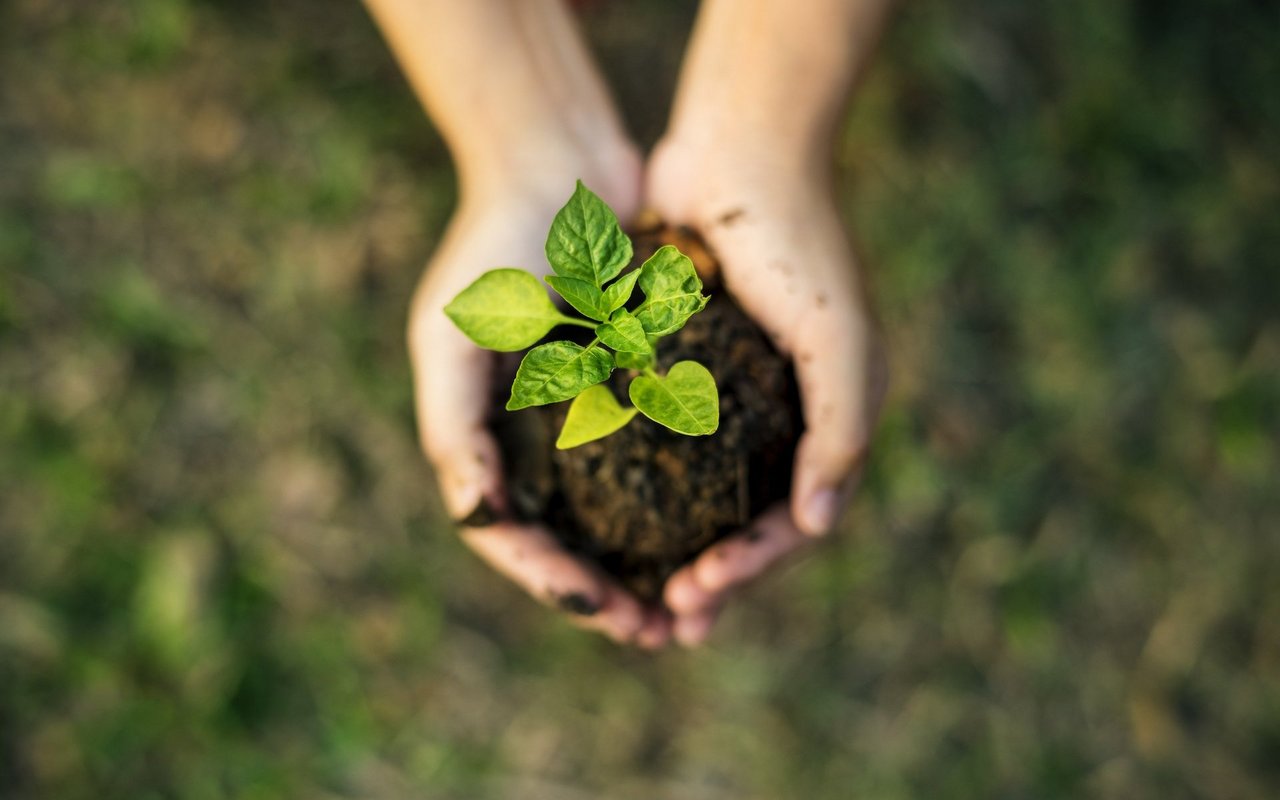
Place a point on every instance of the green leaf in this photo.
(504, 309)
(686, 400)
(624, 333)
(619, 292)
(672, 289)
(586, 241)
(635, 361)
(581, 295)
(594, 414)
(557, 371)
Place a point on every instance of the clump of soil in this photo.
(644, 501)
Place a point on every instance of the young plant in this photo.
(508, 310)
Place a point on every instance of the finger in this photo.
(684, 595)
(532, 559)
(842, 374)
(452, 375)
(740, 558)
(815, 310)
(693, 629)
(451, 396)
(621, 618)
(656, 630)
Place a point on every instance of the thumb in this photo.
(843, 377)
(451, 398)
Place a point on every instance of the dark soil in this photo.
(645, 500)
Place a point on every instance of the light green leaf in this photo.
(686, 400)
(557, 371)
(586, 241)
(581, 295)
(624, 333)
(672, 289)
(636, 361)
(594, 414)
(504, 309)
(619, 292)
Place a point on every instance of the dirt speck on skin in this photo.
(645, 501)
(731, 216)
(576, 603)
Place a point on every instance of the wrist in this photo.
(699, 178)
(541, 167)
(779, 148)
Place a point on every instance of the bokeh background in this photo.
(223, 567)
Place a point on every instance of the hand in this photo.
(785, 258)
(452, 388)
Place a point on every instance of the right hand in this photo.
(767, 212)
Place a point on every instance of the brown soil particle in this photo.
(645, 501)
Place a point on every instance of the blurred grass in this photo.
(223, 569)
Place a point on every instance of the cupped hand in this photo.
(452, 387)
(786, 258)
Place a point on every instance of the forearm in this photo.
(774, 73)
(508, 83)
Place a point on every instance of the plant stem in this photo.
(649, 371)
(581, 323)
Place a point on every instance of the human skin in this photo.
(524, 113)
(746, 161)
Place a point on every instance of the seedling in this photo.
(508, 310)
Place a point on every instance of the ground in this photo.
(223, 567)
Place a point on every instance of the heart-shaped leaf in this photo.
(672, 289)
(624, 333)
(557, 371)
(685, 400)
(583, 296)
(594, 414)
(586, 242)
(504, 309)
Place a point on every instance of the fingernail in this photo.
(462, 499)
(820, 512)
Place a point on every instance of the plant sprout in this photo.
(508, 310)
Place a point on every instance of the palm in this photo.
(786, 259)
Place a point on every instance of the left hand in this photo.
(786, 259)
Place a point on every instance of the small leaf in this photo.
(686, 400)
(619, 292)
(581, 295)
(594, 414)
(557, 371)
(624, 333)
(586, 241)
(635, 361)
(504, 309)
(673, 292)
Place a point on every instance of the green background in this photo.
(223, 568)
